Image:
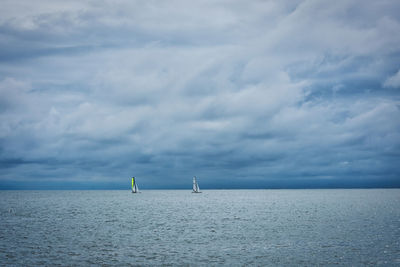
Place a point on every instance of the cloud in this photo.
(393, 81)
(241, 94)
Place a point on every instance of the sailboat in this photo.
(196, 188)
(135, 188)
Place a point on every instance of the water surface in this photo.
(176, 227)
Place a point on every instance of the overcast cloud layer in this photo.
(243, 94)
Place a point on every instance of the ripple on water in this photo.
(229, 227)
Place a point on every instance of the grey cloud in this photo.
(393, 81)
(261, 93)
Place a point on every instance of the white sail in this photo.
(196, 188)
(194, 184)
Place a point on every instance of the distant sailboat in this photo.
(196, 188)
(135, 188)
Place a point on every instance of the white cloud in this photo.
(393, 81)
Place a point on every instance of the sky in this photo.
(242, 94)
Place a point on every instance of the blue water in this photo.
(217, 227)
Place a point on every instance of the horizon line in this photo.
(189, 189)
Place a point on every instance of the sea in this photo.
(350, 227)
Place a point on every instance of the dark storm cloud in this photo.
(243, 95)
